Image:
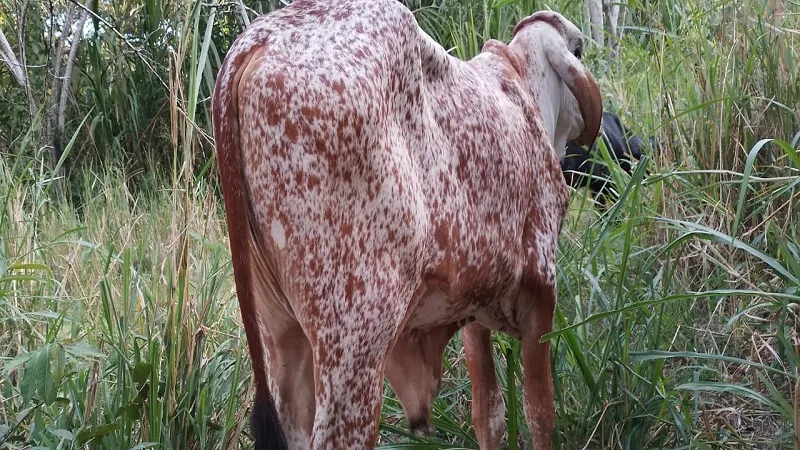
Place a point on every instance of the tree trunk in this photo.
(612, 16)
(55, 87)
(22, 26)
(595, 14)
(62, 107)
(8, 57)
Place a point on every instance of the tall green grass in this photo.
(109, 343)
(676, 325)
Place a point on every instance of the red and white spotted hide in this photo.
(380, 194)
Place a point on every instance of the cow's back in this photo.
(329, 105)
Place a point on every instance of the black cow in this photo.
(579, 167)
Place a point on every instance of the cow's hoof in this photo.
(420, 426)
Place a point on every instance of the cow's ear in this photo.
(582, 85)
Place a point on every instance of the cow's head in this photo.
(549, 47)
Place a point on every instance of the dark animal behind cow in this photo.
(581, 165)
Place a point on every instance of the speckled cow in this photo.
(380, 195)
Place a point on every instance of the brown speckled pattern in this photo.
(379, 190)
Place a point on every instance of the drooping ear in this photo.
(582, 85)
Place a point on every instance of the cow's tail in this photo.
(264, 422)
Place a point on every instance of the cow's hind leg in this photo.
(539, 402)
(289, 362)
(291, 371)
(414, 370)
(348, 367)
(351, 339)
(488, 410)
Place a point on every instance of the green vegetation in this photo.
(678, 306)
